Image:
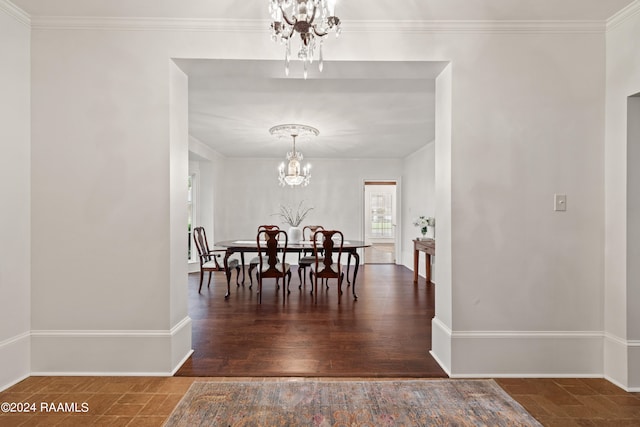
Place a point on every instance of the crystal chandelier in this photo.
(292, 173)
(311, 19)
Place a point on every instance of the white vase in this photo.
(295, 234)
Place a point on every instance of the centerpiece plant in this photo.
(294, 216)
(424, 222)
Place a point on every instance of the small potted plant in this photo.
(424, 222)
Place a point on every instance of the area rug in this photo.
(349, 403)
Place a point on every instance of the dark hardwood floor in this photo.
(385, 333)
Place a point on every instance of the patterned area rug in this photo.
(349, 403)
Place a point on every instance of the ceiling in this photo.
(362, 109)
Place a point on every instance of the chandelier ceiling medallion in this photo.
(292, 174)
(310, 19)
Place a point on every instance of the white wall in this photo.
(15, 183)
(527, 120)
(104, 227)
(622, 284)
(418, 198)
(335, 192)
(527, 280)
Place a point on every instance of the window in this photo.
(381, 215)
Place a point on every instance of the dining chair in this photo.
(209, 261)
(326, 244)
(307, 257)
(270, 243)
(255, 261)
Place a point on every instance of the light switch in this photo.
(560, 202)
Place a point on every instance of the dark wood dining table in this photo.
(243, 246)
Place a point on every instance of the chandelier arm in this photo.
(288, 36)
(286, 18)
(313, 17)
(319, 34)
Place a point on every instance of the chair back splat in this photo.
(326, 244)
(270, 243)
(255, 261)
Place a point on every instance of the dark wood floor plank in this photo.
(385, 333)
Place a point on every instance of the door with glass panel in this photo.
(380, 222)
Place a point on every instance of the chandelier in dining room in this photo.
(310, 19)
(292, 173)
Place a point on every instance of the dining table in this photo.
(243, 246)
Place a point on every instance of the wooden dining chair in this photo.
(307, 257)
(270, 243)
(327, 244)
(255, 261)
(208, 259)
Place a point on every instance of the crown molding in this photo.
(260, 25)
(623, 15)
(476, 27)
(147, 24)
(15, 12)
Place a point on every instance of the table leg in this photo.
(348, 267)
(242, 261)
(416, 263)
(427, 258)
(227, 272)
(355, 273)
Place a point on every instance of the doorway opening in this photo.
(380, 211)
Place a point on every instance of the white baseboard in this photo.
(615, 360)
(622, 386)
(441, 344)
(441, 363)
(634, 366)
(538, 354)
(116, 352)
(180, 363)
(15, 355)
(503, 375)
(622, 362)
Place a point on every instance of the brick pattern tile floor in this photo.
(148, 401)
